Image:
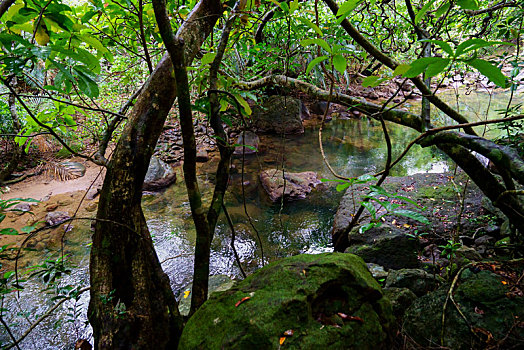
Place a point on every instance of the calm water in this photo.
(352, 147)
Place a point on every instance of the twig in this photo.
(233, 234)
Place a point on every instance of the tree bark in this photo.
(132, 305)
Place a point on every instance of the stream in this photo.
(352, 147)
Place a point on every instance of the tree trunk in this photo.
(132, 305)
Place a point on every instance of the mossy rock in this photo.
(483, 299)
(311, 296)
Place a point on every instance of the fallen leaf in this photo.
(355, 318)
(342, 315)
(393, 222)
(504, 282)
(479, 311)
(407, 226)
(289, 333)
(282, 340)
(186, 294)
(242, 300)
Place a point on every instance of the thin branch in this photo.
(44, 316)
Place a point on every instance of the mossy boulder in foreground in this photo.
(307, 302)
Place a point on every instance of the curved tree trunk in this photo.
(132, 305)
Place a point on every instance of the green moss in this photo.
(293, 294)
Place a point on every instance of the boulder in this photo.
(252, 140)
(385, 245)
(56, 217)
(279, 114)
(159, 175)
(416, 280)
(302, 302)
(495, 319)
(297, 185)
(202, 156)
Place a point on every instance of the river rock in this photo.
(313, 301)
(493, 315)
(279, 114)
(252, 140)
(159, 175)
(202, 156)
(297, 185)
(384, 245)
(56, 217)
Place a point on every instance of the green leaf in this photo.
(401, 69)
(442, 9)
(2, 217)
(437, 67)
(27, 229)
(8, 231)
(412, 215)
(314, 62)
(468, 4)
(490, 71)
(475, 44)
(208, 58)
(339, 62)
(243, 103)
(311, 25)
(371, 208)
(369, 226)
(419, 65)
(347, 7)
(320, 42)
(442, 44)
(342, 187)
(373, 81)
(423, 11)
(86, 83)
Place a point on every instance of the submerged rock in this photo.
(296, 185)
(252, 143)
(159, 175)
(302, 302)
(279, 115)
(493, 315)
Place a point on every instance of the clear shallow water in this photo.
(352, 147)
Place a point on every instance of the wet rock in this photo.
(202, 156)
(22, 207)
(315, 301)
(279, 114)
(56, 217)
(377, 271)
(483, 240)
(159, 175)
(93, 192)
(297, 185)
(385, 245)
(252, 142)
(482, 299)
(400, 298)
(418, 281)
(319, 107)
